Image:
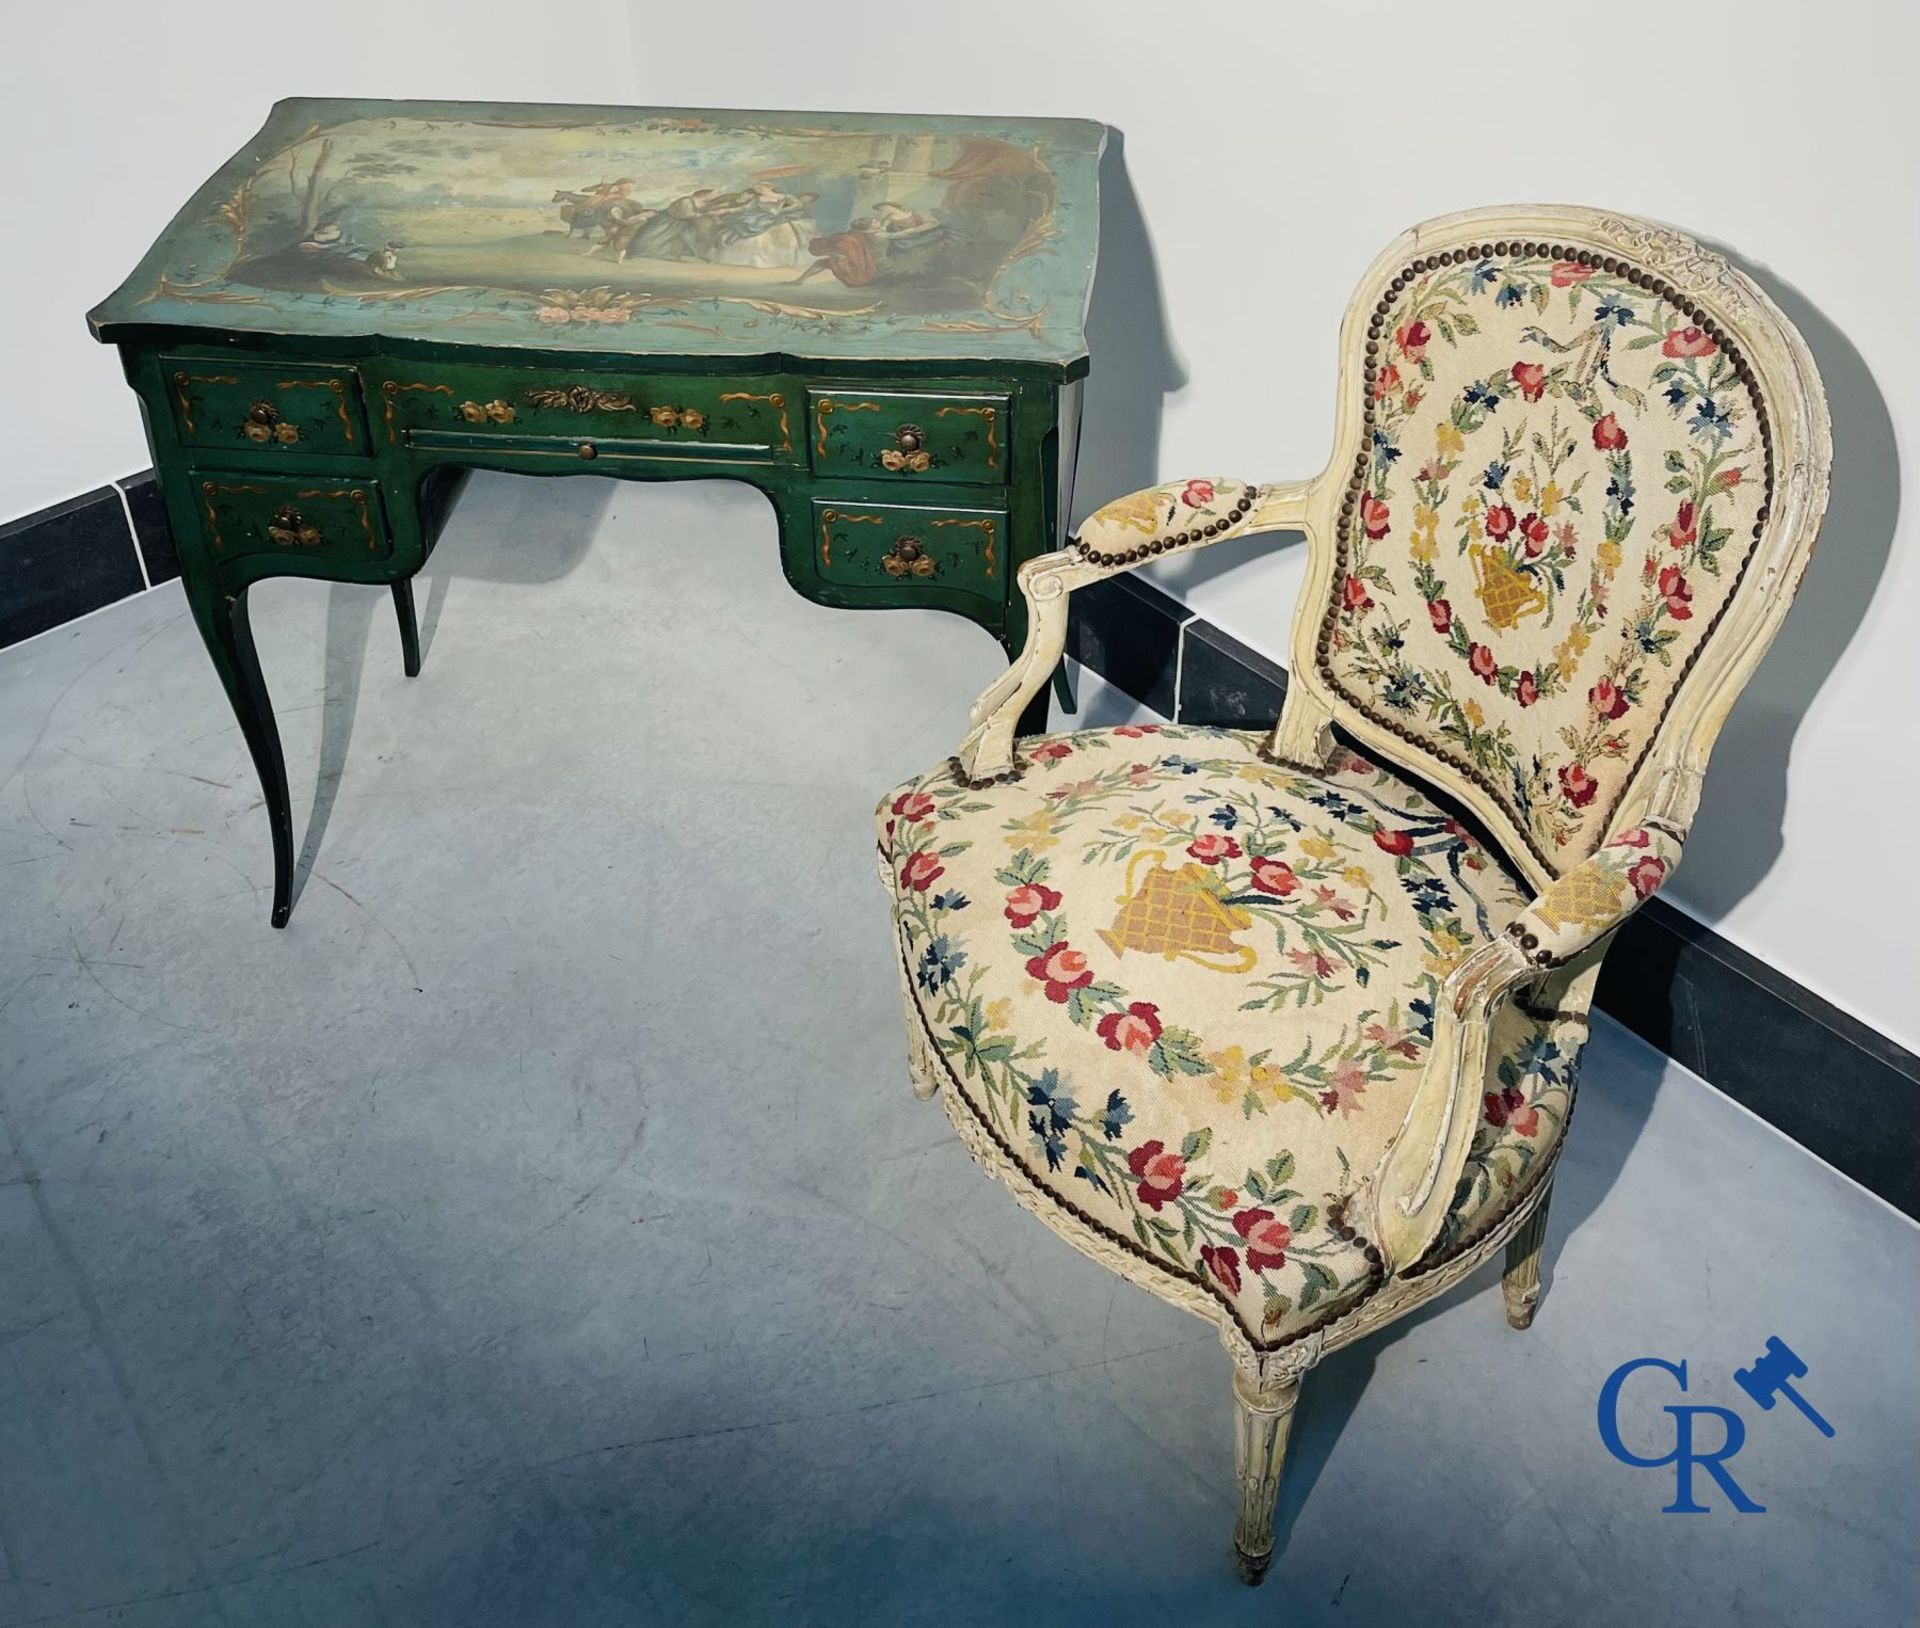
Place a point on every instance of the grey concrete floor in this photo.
(540, 1231)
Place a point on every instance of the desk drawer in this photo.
(909, 435)
(874, 545)
(291, 410)
(276, 514)
(741, 419)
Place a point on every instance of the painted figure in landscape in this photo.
(597, 222)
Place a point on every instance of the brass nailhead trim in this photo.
(1160, 545)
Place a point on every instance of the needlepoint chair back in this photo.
(1579, 465)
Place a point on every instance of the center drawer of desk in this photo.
(748, 419)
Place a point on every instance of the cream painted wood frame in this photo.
(1406, 1198)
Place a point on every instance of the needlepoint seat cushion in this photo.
(1187, 992)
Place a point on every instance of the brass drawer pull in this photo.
(483, 412)
(291, 529)
(907, 558)
(908, 452)
(682, 418)
(264, 423)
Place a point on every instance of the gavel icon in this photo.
(1772, 1374)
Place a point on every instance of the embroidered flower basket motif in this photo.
(1099, 954)
(1562, 483)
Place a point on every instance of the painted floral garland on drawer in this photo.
(1564, 474)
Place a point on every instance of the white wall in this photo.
(1270, 148)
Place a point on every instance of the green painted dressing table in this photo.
(878, 321)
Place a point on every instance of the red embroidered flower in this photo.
(1133, 1030)
(1210, 847)
(1384, 381)
(1607, 434)
(1354, 595)
(1677, 592)
(1373, 515)
(1224, 1198)
(1224, 1263)
(1063, 969)
(1135, 731)
(1483, 662)
(1198, 494)
(1412, 339)
(1532, 379)
(1633, 837)
(1267, 1236)
(1607, 700)
(1684, 527)
(1568, 272)
(1511, 1108)
(1525, 690)
(1441, 615)
(1499, 522)
(1646, 875)
(1047, 751)
(921, 870)
(1730, 478)
(1274, 876)
(1028, 900)
(1687, 342)
(1162, 1174)
(1577, 786)
(1533, 535)
(913, 806)
(1397, 843)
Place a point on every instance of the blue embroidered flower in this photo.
(939, 961)
(1710, 419)
(1495, 477)
(1429, 894)
(1118, 1114)
(1610, 309)
(1052, 1117)
(1226, 816)
(1677, 392)
(1185, 765)
(1478, 395)
(1384, 451)
(1483, 274)
(1510, 294)
(952, 900)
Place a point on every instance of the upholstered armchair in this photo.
(1283, 1027)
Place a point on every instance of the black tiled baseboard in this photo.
(63, 562)
(82, 554)
(1839, 1088)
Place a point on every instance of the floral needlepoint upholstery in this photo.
(1563, 483)
(1190, 992)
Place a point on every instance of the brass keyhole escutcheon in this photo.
(907, 558)
(264, 423)
(908, 452)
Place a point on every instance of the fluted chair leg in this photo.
(1521, 1284)
(1263, 1419)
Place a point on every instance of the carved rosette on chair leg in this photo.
(1263, 1419)
(1521, 1284)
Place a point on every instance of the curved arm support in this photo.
(1413, 1187)
(1170, 519)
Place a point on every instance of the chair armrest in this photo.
(1171, 519)
(1414, 1186)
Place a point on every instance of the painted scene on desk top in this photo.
(642, 230)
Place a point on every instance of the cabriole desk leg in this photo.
(222, 618)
